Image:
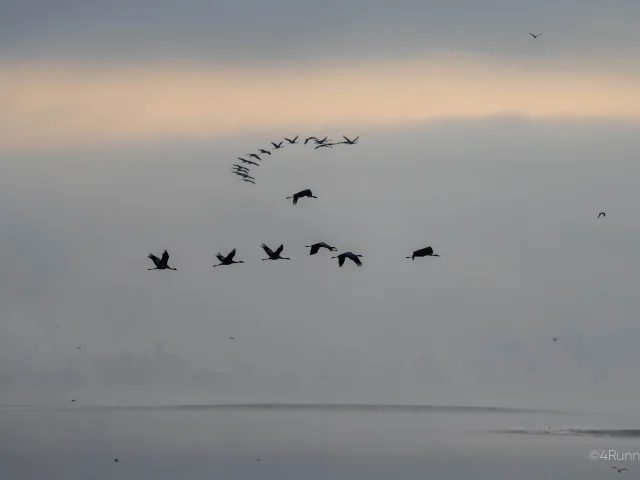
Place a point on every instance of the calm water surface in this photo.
(313, 443)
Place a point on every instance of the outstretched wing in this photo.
(279, 250)
(267, 249)
(341, 260)
(165, 258)
(155, 259)
(220, 257)
(314, 249)
(295, 198)
(232, 254)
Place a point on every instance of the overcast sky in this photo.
(119, 123)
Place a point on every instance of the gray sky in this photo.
(508, 196)
(511, 209)
(282, 31)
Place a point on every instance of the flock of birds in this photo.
(244, 172)
(162, 263)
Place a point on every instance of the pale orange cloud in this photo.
(44, 106)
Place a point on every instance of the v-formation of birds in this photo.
(244, 172)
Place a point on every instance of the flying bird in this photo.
(161, 264)
(535, 36)
(228, 260)
(621, 469)
(274, 255)
(318, 141)
(240, 167)
(309, 138)
(116, 460)
(292, 142)
(248, 180)
(602, 214)
(79, 349)
(250, 162)
(423, 252)
(276, 145)
(254, 156)
(266, 152)
(317, 246)
(324, 145)
(301, 194)
(350, 142)
(73, 401)
(231, 338)
(351, 256)
(555, 339)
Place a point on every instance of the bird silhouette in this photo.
(266, 152)
(250, 162)
(228, 260)
(351, 256)
(309, 138)
(254, 156)
(350, 142)
(423, 252)
(116, 460)
(161, 264)
(292, 142)
(535, 36)
(602, 214)
(301, 194)
(620, 470)
(276, 146)
(274, 255)
(73, 400)
(317, 246)
(555, 339)
(231, 338)
(248, 180)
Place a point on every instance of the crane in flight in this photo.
(161, 263)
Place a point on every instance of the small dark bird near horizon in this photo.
(274, 255)
(250, 162)
(254, 156)
(116, 460)
(266, 152)
(276, 146)
(350, 142)
(423, 252)
(231, 338)
(317, 246)
(161, 264)
(292, 142)
(228, 260)
(309, 138)
(301, 194)
(351, 256)
(73, 400)
(535, 36)
(602, 214)
(620, 470)
(555, 339)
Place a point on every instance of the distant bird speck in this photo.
(73, 400)
(266, 152)
(231, 338)
(602, 214)
(555, 339)
(535, 36)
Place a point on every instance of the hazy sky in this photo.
(118, 124)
